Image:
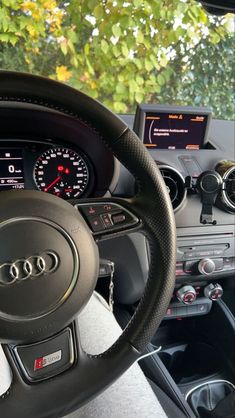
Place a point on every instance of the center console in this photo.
(195, 364)
(203, 261)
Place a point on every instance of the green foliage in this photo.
(124, 52)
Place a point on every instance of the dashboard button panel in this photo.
(200, 306)
(218, 257)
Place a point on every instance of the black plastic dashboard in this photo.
(196, 243)
(221, 138)
(39, 135)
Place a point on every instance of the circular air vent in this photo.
(175, 184)
(227, 197)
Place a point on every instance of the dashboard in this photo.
(205, 252)
(47, 150)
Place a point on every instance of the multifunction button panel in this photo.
(107, 217)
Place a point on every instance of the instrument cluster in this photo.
(63, 171)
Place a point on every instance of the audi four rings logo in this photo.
(28, 268)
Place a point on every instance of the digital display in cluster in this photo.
(11, 169)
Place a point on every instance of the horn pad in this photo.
(48, 264)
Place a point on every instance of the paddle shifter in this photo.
(208, 185)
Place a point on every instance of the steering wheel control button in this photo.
(96, 223)
(109, 217)
(186, 294)
(213, 291)
(107, 220)
(47, 358)
(97, 209)
(118, 219)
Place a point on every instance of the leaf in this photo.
(86, 49)
(71, 46)
(4, 37)
(138, 3)
(5, 25)
(120, 107)
(167, 73)
(139, 80)
(133, 86)
(91, 4)
(124, 21)
(140, 37)
(121, 88)
(139, 96)
(148, 65)
(64, 48)
(104, 46)
(163, 61)
(215, 38)
(74, 62)
(89, 66)
(98, 11)
(116, 51)
(160, 80)
(125, 51)
(116, 30)
(72, 35)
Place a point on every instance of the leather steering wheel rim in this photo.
(153, 207)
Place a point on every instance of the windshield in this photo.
(124, 52)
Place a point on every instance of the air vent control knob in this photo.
(213, 291)
(206, 266)
(186, 294)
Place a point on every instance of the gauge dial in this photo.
(62, 172)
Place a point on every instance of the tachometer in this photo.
(62, 172)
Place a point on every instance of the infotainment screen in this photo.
(11, 169)
(172, 128)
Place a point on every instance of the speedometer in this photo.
(62, 172)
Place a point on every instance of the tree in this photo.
(123, 52)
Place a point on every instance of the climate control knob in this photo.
(206, 266)
(213, 291)
(186, 294)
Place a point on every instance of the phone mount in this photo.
(208, 185)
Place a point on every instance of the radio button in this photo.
(206, 266)
(213, 291)
(189, 266)
(205, 253)
(189, 255)
(218, 252)
(219, 263)
(186, 294)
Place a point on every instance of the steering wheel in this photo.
(41, 233)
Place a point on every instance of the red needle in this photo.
(52, 184)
